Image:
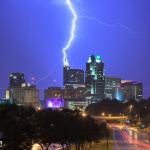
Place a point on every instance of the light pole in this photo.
(130, 108)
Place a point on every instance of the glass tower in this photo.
(95, 80)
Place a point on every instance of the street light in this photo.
(103, 114)
(36, 147)
(109, 115)
(130, 108)
(84, 114)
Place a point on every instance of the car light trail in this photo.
(133, 141)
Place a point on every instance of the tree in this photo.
(23, 126)
(15, 126)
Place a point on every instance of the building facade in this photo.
(112, 88)
(16, 79)
(26, 95)
(53, 92)
(73, 78)
(132, 90)
(22, 93)
(95, 80)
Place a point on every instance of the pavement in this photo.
(103, 145)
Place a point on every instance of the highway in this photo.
(128, 139)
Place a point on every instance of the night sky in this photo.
(33, 33)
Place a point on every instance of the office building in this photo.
(53, 92)
(16, 79)
(22, 93)
(79, 104)
(27, 95)
(6, 101)
(73, 78)
(95, 80)
(132, 90)
(112, 88)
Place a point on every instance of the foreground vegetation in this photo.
(21, 127)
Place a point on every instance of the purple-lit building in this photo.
(54, 103)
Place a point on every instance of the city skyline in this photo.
(32, 44)
(89, 86)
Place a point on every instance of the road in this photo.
(127, 139)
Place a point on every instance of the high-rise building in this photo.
(70, 93)
(73, 78)
(27, 95)
(16, 79)
(22, 93)
(66, 70)
(132, 90)
(112, 88)
(95, 80)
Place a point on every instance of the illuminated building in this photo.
(69, 93)
(54, 103)
(73, 78)
(94, 80)
(81, 92)
(26, 95)
(132, 90)
(113, 88)
(16, 79)
(65, 74)
(53, 92)
(22, 93)
(79, 104)
(6, 101)
(31, 96)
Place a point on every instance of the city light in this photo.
(84, 114)
(130, 108)
(36, 147)
(54, 103)
(109, 115)
(103, 114)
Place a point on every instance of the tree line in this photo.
(21, 127)
(114, 107)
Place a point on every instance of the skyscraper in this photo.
(112, 86)
(95, 80)
(16, 79)
(73, 78)
(66, 70)
(132, 90)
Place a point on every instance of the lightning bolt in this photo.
(115, 25)
(72, 32)
(67, 46)
(49, 74)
